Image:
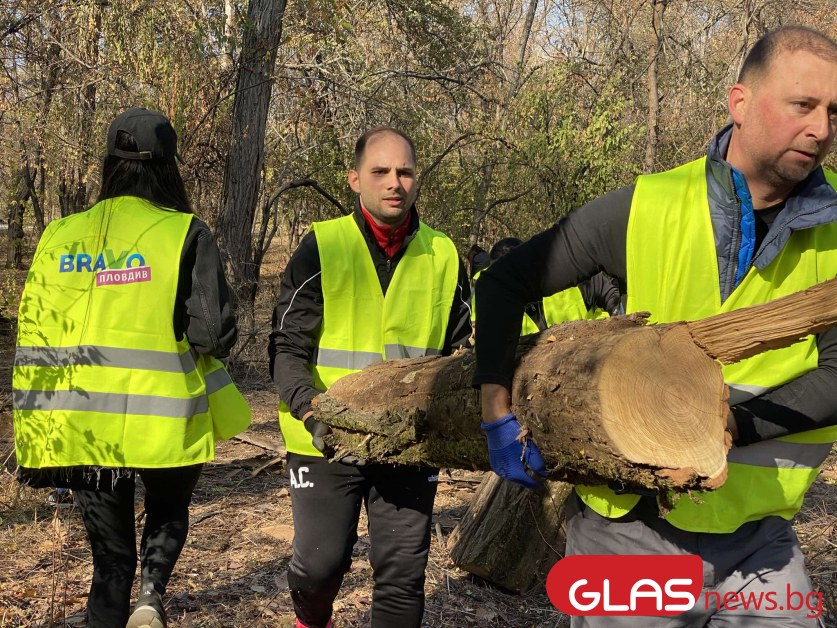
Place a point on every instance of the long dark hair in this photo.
(154, 180)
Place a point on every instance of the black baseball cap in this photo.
(152, 131)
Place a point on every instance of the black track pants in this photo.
(109, 520)
(326, 500)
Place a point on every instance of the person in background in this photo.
(376, 285)
(123, 317)
(594, 298)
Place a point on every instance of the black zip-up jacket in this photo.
(299, 313)
(593, 238)
(203, 308)
(598, 292)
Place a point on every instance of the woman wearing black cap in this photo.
(123, 315)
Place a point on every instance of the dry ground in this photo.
(233, 569)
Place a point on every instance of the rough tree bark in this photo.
(242, 176)
(16, 207)
(510, 535)
(605, 400)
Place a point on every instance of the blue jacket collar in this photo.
(812, 203)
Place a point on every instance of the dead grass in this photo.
(233, 570)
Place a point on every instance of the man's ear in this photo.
(353, 181)
(737, 102)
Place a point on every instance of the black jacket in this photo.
(203, 309)
(299, 313)
(599, 292)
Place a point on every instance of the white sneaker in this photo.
(146, 617)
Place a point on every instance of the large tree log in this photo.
(605, 400)
(509, 535)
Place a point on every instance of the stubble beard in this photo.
(785, 176)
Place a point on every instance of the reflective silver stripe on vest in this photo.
(781, 454)
(216, 380)
(354, 360)
(398, 352)
(92, 355)
(111, 403)
(739, 393)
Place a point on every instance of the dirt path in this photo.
(233, 571)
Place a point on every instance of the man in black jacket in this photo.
(377, 285)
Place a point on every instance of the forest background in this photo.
(521, 109)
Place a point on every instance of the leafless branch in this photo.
(441, 156)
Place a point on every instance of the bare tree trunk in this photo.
(14, 255)
(48, 83)
(658, 7)
(242, 176)
(88, 113)
(72, 187)
(28, 190)
(748, 15)
(481, 203)
(230, 23)
(19, 193)
(510, 535)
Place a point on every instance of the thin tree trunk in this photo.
(242, 176)
(230, 22)
(746, 19)
(15, 210)
(658, 7)
(481, 203)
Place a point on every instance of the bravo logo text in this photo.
(625, 585)
(110, 269)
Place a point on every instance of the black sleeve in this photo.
(589, 240)
(600, 292)
(296, 327)
(203, 308)
(459, 322)
(806, 403)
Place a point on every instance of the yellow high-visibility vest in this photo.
(567, 305)
(360, 325)
(99, 376)
(561, 307)
(673, 273)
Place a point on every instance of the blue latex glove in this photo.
(509, 457)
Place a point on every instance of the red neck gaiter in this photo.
(390, 239)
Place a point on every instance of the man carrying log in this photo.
(376, 285)
(754, 220)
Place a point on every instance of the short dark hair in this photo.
(155, 180)
(501, 247)
(785, 39)
(363, 140)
